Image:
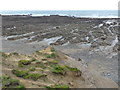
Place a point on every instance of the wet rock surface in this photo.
(91, 39)
(74, 30)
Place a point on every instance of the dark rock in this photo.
(79, 59)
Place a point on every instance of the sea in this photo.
(71, 13)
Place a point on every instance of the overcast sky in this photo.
(59, 4)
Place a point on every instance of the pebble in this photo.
(79, 59)
(108, 74)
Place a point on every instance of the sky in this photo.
(59, 4)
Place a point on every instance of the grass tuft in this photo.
(26, 75)
(14, 53)
(35, 76)
(22, 63)
(58, 69)
(20, 73)
(52, 55)
(3, 55)
(54, 61)
(52, 50)
(32, 69)
(58, 86)
(40, 64)
(72, 69)
(33, 59)
(8, 82)
(20, 87)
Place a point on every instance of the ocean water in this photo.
(75, 13)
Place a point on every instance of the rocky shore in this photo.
(93, 40)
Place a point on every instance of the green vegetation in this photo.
(44, 59)
(72, 69)
(26, 75)
(14, 53)
(20, 87)
(3, 55)
(77, 71)
(8, 82)
(32, 69)
(50, 63)
(52, 50)
(35, 76)
(33, 59)
(59, 86)
(20, 73)
(40, 64)
(38, 52)
(54, 61)
(21, 63)
(52, 55)
(58, 69)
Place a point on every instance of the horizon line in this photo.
(61, 10)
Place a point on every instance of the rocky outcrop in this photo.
(50, 67)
